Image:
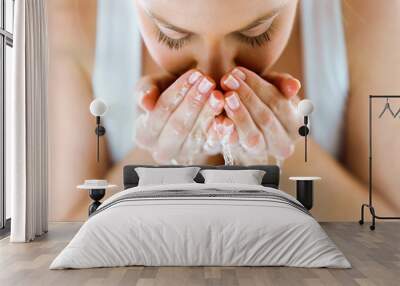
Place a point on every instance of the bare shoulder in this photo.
(72, 30)
(372, 28)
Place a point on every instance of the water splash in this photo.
(279, 162)
(226, 147)
(227, 153)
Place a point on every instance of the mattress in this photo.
(201, 225)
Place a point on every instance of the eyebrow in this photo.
(253, 24)
(261, 19)
(165, 23)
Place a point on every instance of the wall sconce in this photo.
(305, 108)
(98, 108)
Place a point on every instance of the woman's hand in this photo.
(262, 118)
(174, 124)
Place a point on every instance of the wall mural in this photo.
(196, 84)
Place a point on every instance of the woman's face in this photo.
(215, 35)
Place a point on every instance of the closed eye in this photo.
(255, 41)
(172, 37)
(259, 28)
(173, 44)
(172, 33)
(256, 34)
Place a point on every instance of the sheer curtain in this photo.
(26, 142)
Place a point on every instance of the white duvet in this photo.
(200, 231)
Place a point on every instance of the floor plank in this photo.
(375, 257)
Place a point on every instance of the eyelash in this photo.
(256, 41)
(174, 44)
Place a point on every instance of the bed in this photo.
(198, 224)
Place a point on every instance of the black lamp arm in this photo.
(304, 131)
(100, 131)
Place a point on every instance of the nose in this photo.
(216, 59)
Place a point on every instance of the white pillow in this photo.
(248, 177)
(163, 176)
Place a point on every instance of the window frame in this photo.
(6, 39)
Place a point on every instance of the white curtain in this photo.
(26, 137)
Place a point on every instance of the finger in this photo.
(285, 110)
(149, 87)
(216, 102)
(182, 121)
(230, 146)
(214, 106)
(250, 136)
(276, 137)
(233, 152)
(148, 98)
(150, 126)
(197, 137)
(288, 85)
(228, 133)
(213, 143)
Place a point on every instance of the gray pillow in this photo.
(163, 176)
(247, 177)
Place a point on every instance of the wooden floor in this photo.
(375, 257)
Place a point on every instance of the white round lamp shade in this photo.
(98, 107)
(305, 107)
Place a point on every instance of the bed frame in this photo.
(270, 179)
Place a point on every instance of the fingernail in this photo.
(237, 72)
(205, 85)
(293, 86)
(298, 83)
(231, 82)
(147, 88)
(194, 77)
(214, 102)
(233, 101)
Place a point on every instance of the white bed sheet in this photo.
(200, 231)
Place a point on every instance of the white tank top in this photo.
(118, 67)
